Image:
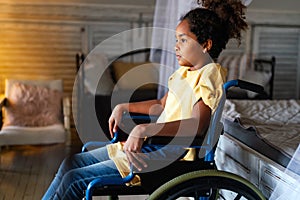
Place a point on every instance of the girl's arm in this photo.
(151, 107)
(196, 125)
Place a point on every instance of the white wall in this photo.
(276, 31)
(275, 5)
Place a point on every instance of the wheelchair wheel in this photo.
(208, 184)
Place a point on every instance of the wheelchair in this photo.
(197, 179)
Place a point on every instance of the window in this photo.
(283, 42)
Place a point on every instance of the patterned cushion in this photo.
(30, 105)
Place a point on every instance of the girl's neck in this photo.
(202, 63)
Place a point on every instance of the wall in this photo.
(275, 31)
(41, 38)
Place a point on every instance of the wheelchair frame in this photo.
(211, 180)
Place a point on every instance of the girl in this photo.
(194, 93)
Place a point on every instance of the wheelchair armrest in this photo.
(245, 85)
(130, 120)
(185, 141)
(140, 118)
(93, 144)
(99, 143)
(160, 140)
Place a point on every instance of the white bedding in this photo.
(276, 121)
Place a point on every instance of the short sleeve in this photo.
(210, 87)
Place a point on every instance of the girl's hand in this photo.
(133, 146)
(115, 119)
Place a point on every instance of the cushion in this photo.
(52, 84)
(31, 105)
(245, 64)
(236, 65)
(260, 78)
(135, 75)
(17, 135)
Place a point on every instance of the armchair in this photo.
(34, 112)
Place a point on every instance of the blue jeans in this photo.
(77, 171)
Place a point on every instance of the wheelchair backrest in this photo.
(215, 129)
(216, 126)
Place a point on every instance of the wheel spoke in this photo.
(238, 197)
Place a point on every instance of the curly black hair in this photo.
(218, 21)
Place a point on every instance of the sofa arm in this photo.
(67, 112)
(2, 104)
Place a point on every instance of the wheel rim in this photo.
(208, 181)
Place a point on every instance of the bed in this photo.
(261, 143)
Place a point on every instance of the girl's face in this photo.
(188, 51)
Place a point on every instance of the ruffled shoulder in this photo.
(210, 86)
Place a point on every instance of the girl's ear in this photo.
(207, 45)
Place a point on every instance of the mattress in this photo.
(271, 127)
(260, 143)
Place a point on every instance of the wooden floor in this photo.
(26, 171)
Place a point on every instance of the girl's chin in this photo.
(186, 64)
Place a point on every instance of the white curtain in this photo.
(166, 17)
(285, 191)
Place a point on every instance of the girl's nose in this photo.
(176, 47)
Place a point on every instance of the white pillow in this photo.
(244, 65)
(257, 77)
(97, 78)
(234, 67)
(234, 64)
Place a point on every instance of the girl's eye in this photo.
(181, 40)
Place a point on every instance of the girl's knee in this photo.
(72, 162)
(66, 165)
(73, 184)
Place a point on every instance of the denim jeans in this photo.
(75, 172)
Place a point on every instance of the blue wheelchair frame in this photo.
(215, 127)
